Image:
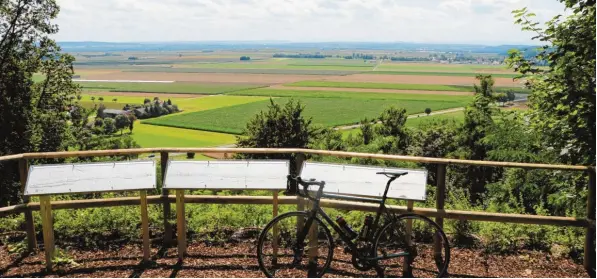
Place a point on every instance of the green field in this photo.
(175, 87)
(324, 111)
(396, 86)
(268, 92)
(457, 116)
(214, 102)
(456, 74)
(158, 136)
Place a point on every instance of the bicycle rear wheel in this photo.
(413, 239)
(287, 258)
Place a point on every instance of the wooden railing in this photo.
(439, 213)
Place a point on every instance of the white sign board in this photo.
(90, 178)
(229, 174)
(363, 181)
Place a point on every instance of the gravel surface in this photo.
(239, 260)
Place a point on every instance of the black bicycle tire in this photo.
(433, 223)
(263, 234)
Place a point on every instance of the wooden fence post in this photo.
(165, 201)
(440, 197)
(589, 260)
(48, 229)
(30, 227)
(145, 226)
(181, 227)
(406, 267)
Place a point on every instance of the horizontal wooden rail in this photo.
(11, 157)
(115, 152)
(210, 199)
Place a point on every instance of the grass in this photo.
(457, 74)
(457, 116)
(158, 136)
(324, 111)
(350, 95)
(214, 102)
(175, 87)
(396, 86)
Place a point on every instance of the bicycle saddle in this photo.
(393, 174)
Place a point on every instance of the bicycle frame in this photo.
(316, 209)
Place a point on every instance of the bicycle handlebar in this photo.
(306, 184)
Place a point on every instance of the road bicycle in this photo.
(300, 244)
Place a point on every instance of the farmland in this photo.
(397, 86)
(173, 87)
(327, 112)
(157, 136)
(186, 104)
(457, 116)
(217, 94)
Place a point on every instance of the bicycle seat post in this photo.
(385, 193)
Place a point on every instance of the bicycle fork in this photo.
(300, 247)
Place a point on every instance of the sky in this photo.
(487, 22)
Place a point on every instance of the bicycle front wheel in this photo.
(280, 254)
(412, 246)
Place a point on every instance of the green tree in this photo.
(395, 138)
(562, 103)
(278, 127)
(477, 121)
(367, 132)
(109, 126)
(511, 95)
(132, 119)
(502, 98)
(101, 99)
(435, 139)
(427, 111)
(100, 111)
(121, 122)
(93, 99)
(33, 115)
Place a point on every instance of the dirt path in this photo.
(239, 260)
(453, 93)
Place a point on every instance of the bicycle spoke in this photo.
(292, 259)
(408, 248)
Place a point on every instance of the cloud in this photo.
(452, 21)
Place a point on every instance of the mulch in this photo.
(239, 260)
